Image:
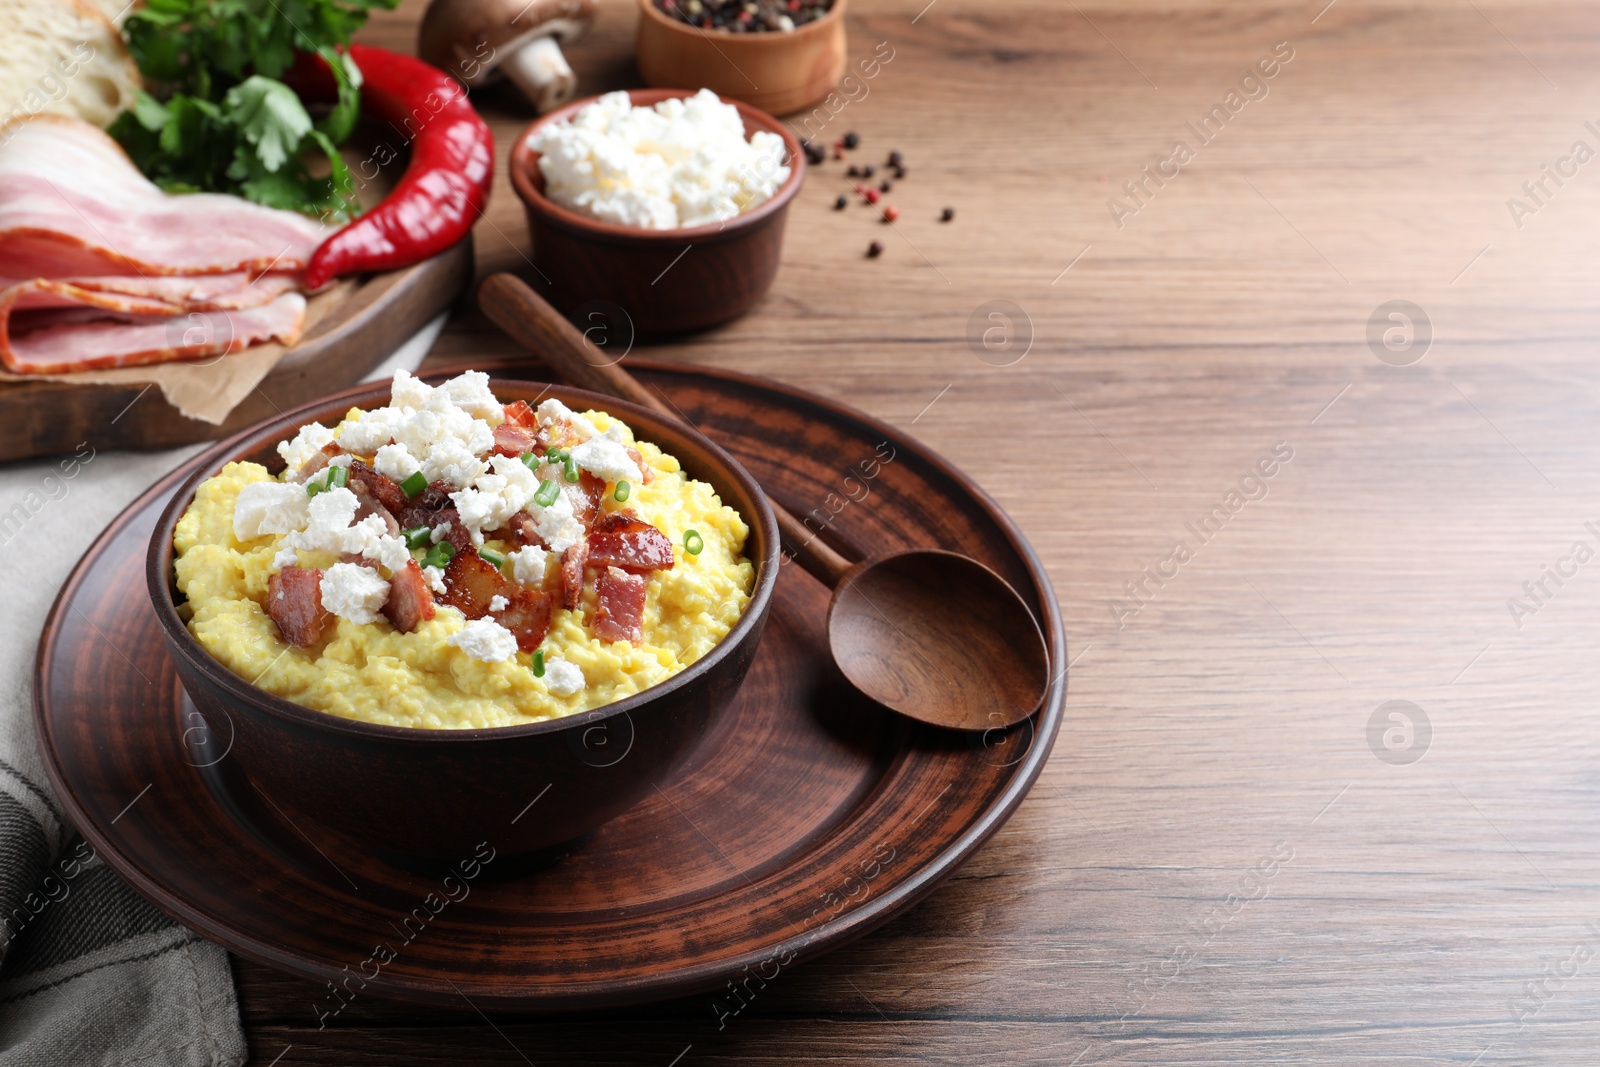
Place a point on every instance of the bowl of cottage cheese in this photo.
(661, 210)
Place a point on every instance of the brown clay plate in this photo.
(808, 818)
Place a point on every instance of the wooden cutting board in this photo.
(376, 315)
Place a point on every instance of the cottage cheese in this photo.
(562, 678)
(606, 458)
(354, 592)
(681, 163)
(485, 640)
(528, 565)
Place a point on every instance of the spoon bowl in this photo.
(933, 635)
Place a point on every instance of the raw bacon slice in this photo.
(527, 616)
(73, 204)
(294, 602)
(619, 611)
(622, 539)
(513, 440)
(410, 603)
(572, 564)
(131, 341)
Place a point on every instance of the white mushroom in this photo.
(478, 41)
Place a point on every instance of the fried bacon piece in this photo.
(382, 488)
(458, 536)
(593, 491)
(421, 509)
(520, 413)
(572, 563)
(619, 612)
(317, 462)
(471, 584)
(622, 539)
(521, 531)
(294, 601)
(527, 616)
(510, 439)
(647, 472)
(410, 601)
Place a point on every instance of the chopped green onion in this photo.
(338, 477)
(439, 555)
(529, 460)
(554, 455)
(693, 542)
(417, 536)
(538, 663)
(622, 492)
(414, 484)
(548, 491)
(313, 487)
(569, 469)
(492, 556)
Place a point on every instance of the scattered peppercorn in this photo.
(899, 173)
(871, 195)
(884, 187)
(874, 250)
(746, 16)
(838, 150)
(891, 213)
(895, 159)
(947, 214)
(841, 203)
(853, 172)
(868, 171)
(851, 139)
(814, 155)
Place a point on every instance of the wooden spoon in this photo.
(933, 635)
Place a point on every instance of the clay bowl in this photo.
(666, 281)
(777, 72)
(434, 793)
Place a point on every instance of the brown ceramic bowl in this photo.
(777, 72)
(666, 281)
(436, 793)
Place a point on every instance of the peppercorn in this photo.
(853, 172)
(814, 155)
(884, 186)
(899, 173)
(871, 195)
(874, 250)
(947, 214)
(895, 159)
(851, 140)
(891, 213)
(868, 171)
(841, 203)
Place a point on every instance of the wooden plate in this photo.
(811, 817)
(41, 418)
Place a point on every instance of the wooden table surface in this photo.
(1236, 854)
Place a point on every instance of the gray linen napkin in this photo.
(89, 972)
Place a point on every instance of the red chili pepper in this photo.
(446, 184)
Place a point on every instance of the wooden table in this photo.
(1235, 855)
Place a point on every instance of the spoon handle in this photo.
(530, 320)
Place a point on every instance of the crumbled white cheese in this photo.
(528, 565)
(406, 391)
(605, 458)
(553, 410)
(557, 526)
(498, 603)
(486, 640)
(330, 527)
(452, 462)
(395, 461)
(493, 498)
(562, 678)
(683, 162)
(470, 392)
(305, 445)
(269, 508)
(435, 578)
(439, 532)
(354, 592)
(443, 430)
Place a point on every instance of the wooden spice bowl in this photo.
(431, 793)
(665, 281)
(776, 71)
